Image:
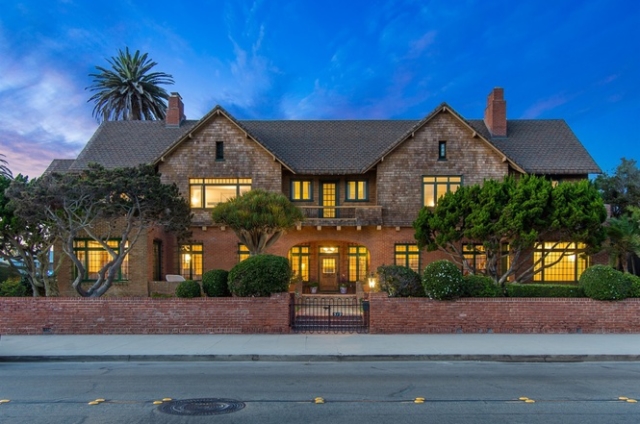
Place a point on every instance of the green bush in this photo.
(215, 283)
(474, 285)
(635, 285)
(442, 280)
(259, 276)
(188, 289)
(400, 281)
(544, 290)
(12, 287)
(605, 283)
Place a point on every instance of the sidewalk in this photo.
(324, 347)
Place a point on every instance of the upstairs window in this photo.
(219, 150)
(301, 190)
(442, 150)
(208, 192)
(433, 188)
(357, 190)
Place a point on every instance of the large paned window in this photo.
(357, 191)
(475, 256)
(208, 192)
(568, 263)
(407, 255)
(358, 263)
(93, 256)
(243, 252)
(299, 260)
(301, 190)
(191, 261)
(433, 188)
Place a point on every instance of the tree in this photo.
(624, 239)
(24, 245)
(128, 91)
(103, 205)
(4, 168)
(622, 189)
(517, 213)
(258, 218)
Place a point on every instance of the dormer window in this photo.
(219, 150)
(442, 150)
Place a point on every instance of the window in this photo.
(357, 190)
(475, 256)
(93, 256)
(299, 260)
(243, 252)
(328, 265)
(219, 150)
(301, 190)
(208, 192)
(433, 188)
(559, 262)
(442, 150)
(407, 255)
(191, 261)
(358, 263)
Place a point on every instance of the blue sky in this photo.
(298, 59)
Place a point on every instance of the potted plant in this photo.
(313, 287)
(343, 287)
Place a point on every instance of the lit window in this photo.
(243, 252)
(208, 192)
(358, 263)
(357, 190)
(476, 257)
(407, 255)
(442, 150)
(559, 262)
(191, 261)
(301, 190)
(93, 256)
(433, 188)
(299, 260)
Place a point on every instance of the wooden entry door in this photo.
(329, 273)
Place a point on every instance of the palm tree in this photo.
(128, 91)
(4, 168)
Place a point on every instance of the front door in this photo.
(328, 273)
(328, 197)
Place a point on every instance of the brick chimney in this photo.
(175, 111)
(495, 114)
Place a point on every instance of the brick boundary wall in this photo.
(503, 315)
(74, 315)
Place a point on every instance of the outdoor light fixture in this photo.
(372, 281)
(328, 249)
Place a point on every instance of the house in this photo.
(360, 183)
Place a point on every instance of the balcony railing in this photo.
(342, 215)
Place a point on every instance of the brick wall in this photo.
(145, 316)
(539, 315)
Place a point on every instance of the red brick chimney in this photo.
(495, 114)
(175, 111)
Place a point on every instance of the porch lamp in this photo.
(372, 281)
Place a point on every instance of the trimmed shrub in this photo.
(605, 283)
(188, 289)
(474, 285)
(259, 276)
(400, 281)
(442, 280)
(635, 285)
(215, 283)
(544, 290)
(12, 287)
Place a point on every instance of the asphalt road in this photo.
(355, 392)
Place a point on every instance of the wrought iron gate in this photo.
(325, 314)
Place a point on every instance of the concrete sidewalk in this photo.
(323, 347)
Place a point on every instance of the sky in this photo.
(307, 59)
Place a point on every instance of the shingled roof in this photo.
(59, 165)
(339, 146)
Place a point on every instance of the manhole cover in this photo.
(209, 406)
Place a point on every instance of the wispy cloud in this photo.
(545, 105)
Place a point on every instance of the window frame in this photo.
(471, 256)
(580, 264)
(299, 260)
(348, 196)
(199, 253)
(219, 151)
(360, 253)
(444, 180)
(407, 253)
(203, 183)
(122, 276)
(243, 252)
(292, 190)
(442, 150)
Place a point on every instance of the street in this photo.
(286, 392)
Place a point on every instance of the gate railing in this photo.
(325, 314)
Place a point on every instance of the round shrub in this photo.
(635, 284)
(605, 283)
(442, 280)
(12, 287)
(215, 283)
(400, 281)
(259, 276)
(188, 289)
(474, 285)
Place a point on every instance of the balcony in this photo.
(342, 215)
